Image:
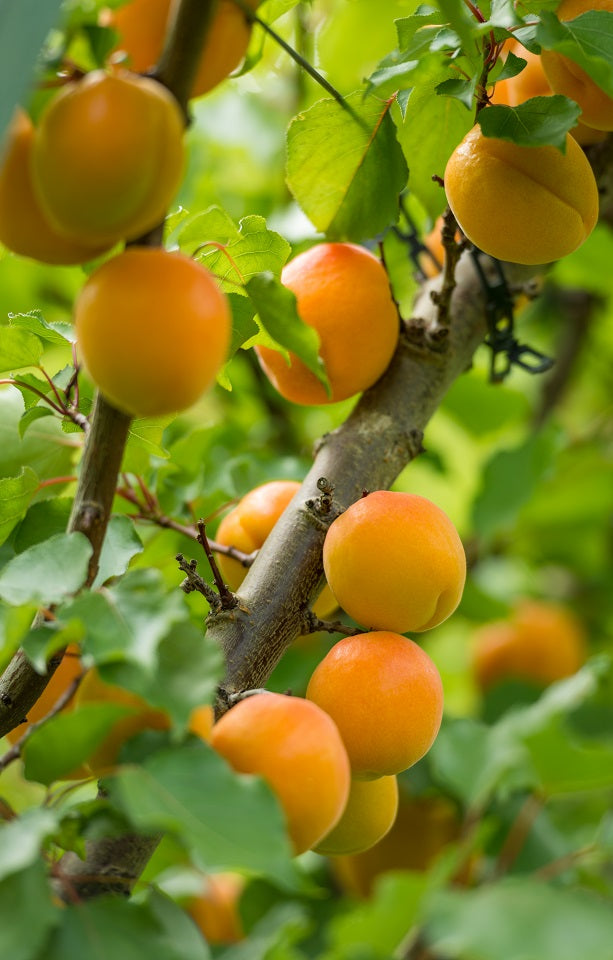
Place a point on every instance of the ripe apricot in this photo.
(247, 526)
(298, 750)
(142, 26)
(68, 670)
(523, 204)
(153, 329)
(215, 911)
(342, 291)
(23, 227)
(107, 157)
(540, 643)
(201, 722)
(569, 79)
(386, 697)
(394, 561)
(370, 812)
(424, 826)
(143, 717)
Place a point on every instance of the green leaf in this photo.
(538, 122)
(18, 349)
(44, 519)
(24, 24)
(213, 225)
(587, 40)
(567, 765)
(21, 839)
(513, 65)
(32, 415)
(44, 447)
(273, 936)
(244, 326)
(233, 822)
(54, 332)
(15, 623)
(63, 743)
(255, 250)
(520, 918)
(344, 166)
(144, 442)
(28, 915)
(462, 90)
(15, 495)
(113, 927)
(276, 307)
(48, 572)
(483, 408)
(121, 543)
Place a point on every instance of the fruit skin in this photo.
(298, 750)
(247, 526)
(23, 227)
(215, 911)
(153, 329)
(107, 157)
(386, 697)
(540, 643)
(142, 26)
(370, 812)
(68, 670)
(342, 291)
(394, 561)
(547, 201)
(567, 78)
(423, 827)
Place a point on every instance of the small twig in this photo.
(6, 811)
(15, 751)
(194, 582)
(442, 298)
(518, 834)
(314, 625)
(226, 599)
(556, 867)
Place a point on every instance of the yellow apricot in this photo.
(107, 157)
(386, 697)
(394, 561)
(153, 329)
(298, 750)
(342, 291)
(569, 79)
(540, 643)
(247, 526)
(370, 812)
(215, 910)
(523, 204)
(142, 26)
(23, 227)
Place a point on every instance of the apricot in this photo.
(142, 26)
(93, 689)
(540, 643)
(215, 910)
(569, 79)
(107, 157)
(342, 291)
(298, 750)
(153, 330)
(68, 670)
(201, 722)
(386, 697)
(247, 526)
(394, 561)
(424, 826)
(523, 204)
(370, 812)
(23, 227)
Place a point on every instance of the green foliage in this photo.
(34, 576)
(535, 123)
(587, 40)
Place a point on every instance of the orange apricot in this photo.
(394, 561)
(93, 689)
(569, 79)
(424, 826)
(67, 671)
(386, 697)
(247, 526)
(107, 157)
(298, 750)
(24, 228)
(342, 291)
(153, 330)
(540, 643)
(215, 910)
(546, 201)
(370, 812)
(142, 26)
(201, 722)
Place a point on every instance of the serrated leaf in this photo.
(255, 250)
(587, 40)
(462, 90)
(62, 744)
(537, 122)
(234, 822)
(211, 225)
(145, 441)
(55, 332)
(21, 839)
(15, 495)
(18, 349)
(276, 307)
(345, 168)
(513, 65)
(48, 572)
(121, 543)
(32, 415)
